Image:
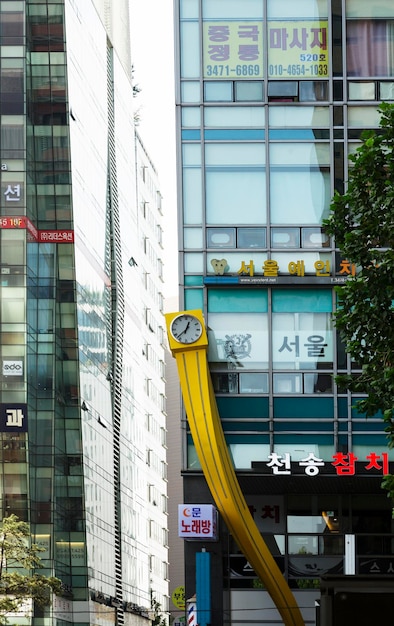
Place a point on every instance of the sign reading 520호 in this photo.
(296, 49)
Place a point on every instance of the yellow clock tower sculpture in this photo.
(188, 343)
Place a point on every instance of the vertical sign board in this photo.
(203, 588)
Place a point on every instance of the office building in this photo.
(272, 96)
(83, 434)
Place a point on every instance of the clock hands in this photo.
(185, 329)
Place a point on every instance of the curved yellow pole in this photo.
(212, 451)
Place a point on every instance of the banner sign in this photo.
(342, 464)
(296, 49)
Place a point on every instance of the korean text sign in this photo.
(197, 521)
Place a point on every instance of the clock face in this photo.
(186, 329)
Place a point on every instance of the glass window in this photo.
(221, 237)
(239, 340)
(299, 117)
(370, 47)
(314, 238)
(244, 454)
(318, 383)
(302, 341)
(285, 237)
(298, 39)
(11, 28)
(302, 329)
(189, 8)
(282, 89)
(303, 544)
(231, 8)
(12, 136)
(218, 92)
(192, 195)
(193, 262)
(287, 383)
(361, 91)
(13, 305)
(253, 382)
(252, 91)
(284, 8)
(191, 117)
(363, 117)
(303, 168)
(386, 90)
(190, 46)
(236, 117)
(194, 299)
(235, 183)
(310, 91)
(12, 92)
(251, 238)
(192, 238)
(12, 249)
(190, 91)
(225, 383)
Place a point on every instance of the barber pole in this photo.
(191, 611)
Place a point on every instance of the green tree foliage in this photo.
(18, 558)
(157, 619)
(362, 222)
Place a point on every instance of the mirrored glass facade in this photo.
(83, 429)
(273, 96)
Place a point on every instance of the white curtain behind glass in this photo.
(370, 47)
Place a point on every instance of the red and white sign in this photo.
(344, 463)
(56, 236)
(197, 521)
